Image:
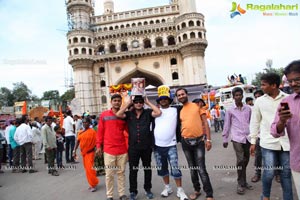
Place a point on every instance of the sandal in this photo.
(240, 190)
(255, 178)
(195, 195)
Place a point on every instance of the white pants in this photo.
(36, 149)
(296, 177)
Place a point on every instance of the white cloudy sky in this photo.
(33, 42)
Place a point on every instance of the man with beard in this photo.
(288, 117)
(193, 144)
(140, 141)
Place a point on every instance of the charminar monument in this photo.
(163, 44)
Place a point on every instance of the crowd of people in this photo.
(266, 128)
(269, 130)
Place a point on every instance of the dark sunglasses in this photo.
(136, 102)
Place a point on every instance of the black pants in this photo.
(4, 157)
(258, 158)
(16, 157)
(26, 155)
(242, 152)
(70, 144)
(134, 158)
(195, 156)
(1, 156)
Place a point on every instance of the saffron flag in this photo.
(51, 113)
(24, 108)
(61, 117)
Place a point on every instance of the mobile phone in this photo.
(285, 105)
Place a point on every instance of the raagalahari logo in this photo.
(236, 10)
(266, 9)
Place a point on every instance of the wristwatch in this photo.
(208, 140)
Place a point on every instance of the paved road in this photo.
(72, 185)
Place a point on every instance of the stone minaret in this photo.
(81, 51)
(108, 7)
(191, 37)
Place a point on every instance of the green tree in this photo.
(21, 92)
(68, 95)
(34, 98)
(51, 95)
(6, 97)
(268, 69)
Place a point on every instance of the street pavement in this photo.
(72, 183)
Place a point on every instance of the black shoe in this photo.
(55, 173)
(123, 197)
(32, 171)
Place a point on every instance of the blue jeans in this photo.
(70, 144)
(276, 159)
(162, 156)
(59, 155)
(195, 156)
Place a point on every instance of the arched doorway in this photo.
(149, 78)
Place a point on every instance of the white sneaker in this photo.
(166, 192)
(181, 194)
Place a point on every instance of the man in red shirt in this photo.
(111, 140)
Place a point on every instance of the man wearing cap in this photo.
(112, 142)
(140, 141)
(193, 144)
(165, 143)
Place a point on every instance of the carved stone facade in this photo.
(164, 44)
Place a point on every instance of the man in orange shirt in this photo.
(193, 144)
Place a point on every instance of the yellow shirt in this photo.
(191, 123)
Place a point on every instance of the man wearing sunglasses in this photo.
(140, 141)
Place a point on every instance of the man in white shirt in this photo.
(275, 151)
(69, 126)
(23, 136)
(78, 124)
(165, 150)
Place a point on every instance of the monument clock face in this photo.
(135, 44)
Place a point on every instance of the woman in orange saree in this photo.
(87, 141)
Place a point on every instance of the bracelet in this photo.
(208, 140)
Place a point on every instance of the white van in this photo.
(224, 95)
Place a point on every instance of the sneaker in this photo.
(132, 196)
(166, 192)
(181, 194)
(149, 194)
